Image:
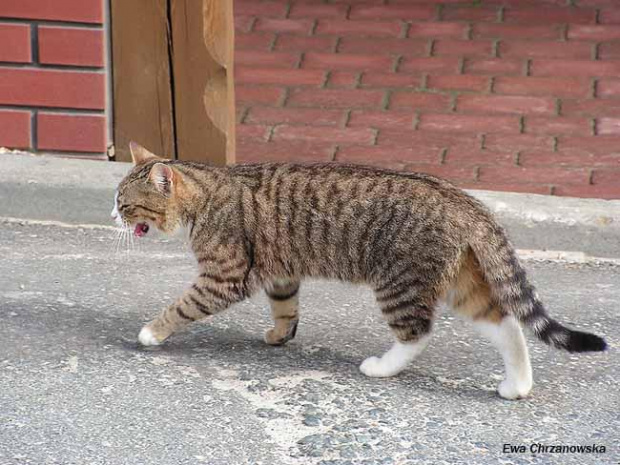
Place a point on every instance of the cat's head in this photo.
(149, 195)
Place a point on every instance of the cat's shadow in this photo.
(213, 345)
(235, 347)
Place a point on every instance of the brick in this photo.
(427, 139)
(284, 77)
(538, 49)
(244, 23)
(336, 98)
(512, 143)
(254, 41)
(606, 88)
(419, 101)
(575, 68)
(343, 79)
(609, 51)
(253, 131)
(468, 48)
(291, 26)
(596, 3)
(436, 30)
(391, 80)
(543, 86)
(595, 192)
(399, 12)
(478, 157)
(558, 126)
(540, 175)
(469, 13)
(544, 189)
(256, 150)
(74, 133)
(458, 82)
(318, 10)
(381, 119)
(15, 43)
(595, 144)
(325, 134)
(609, 16)
(361, 28)
(550, 15)
(82, 11)
(387, 157)
(588, 32)
(515, 31)
(71, 46)
(606, 177)
(258, 95)
(365, 2)
(505, 104)
(358, 62)
(15, 129)
(275, 9)
(591, 107)
(449, 172)
(289, 43)
(473, 124)
(447, 65)
(291, 116)
(568, 157)
(52, 88)
(494, 67)
(383, 46)
(264, 59)
(608, 126)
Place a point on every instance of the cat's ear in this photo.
(139, 154)
(162, 177)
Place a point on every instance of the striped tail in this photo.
(512, 290)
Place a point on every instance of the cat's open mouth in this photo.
(141, 229)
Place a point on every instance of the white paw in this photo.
(514, 390)
(376, 368)
(147, 338)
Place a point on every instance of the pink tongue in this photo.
(141, 229)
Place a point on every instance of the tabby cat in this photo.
(416, 240)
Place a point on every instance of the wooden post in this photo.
(203, 39)
(198, 36)
(141, 77)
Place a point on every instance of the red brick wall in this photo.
(52, 76)
(519, 95)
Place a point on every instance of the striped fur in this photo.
(413, 238)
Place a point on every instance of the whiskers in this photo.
(124, 241)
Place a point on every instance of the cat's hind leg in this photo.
(506, 335)
(410, 317)
(283, 297)
(470, 296)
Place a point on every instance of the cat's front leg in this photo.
(206, 297)
(284, 301)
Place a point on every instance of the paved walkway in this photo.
(75, 388)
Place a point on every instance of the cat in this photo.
(415, 239)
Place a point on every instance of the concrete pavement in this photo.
(75, 388)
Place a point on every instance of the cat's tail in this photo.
(512, 290)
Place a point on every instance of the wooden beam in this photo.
(203, 46)
(142, 90)
(173, 78)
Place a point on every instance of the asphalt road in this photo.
(75, 388)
